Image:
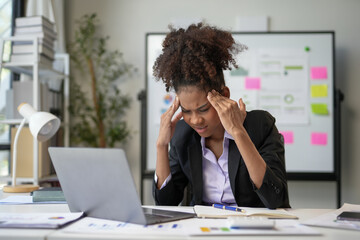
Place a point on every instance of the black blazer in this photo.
(185, 157)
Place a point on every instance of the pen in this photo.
(236, 209)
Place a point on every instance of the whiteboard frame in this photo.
(307, 176)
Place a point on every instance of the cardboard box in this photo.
(24, 165)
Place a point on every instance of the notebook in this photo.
(98, 182)
(211, 212)
(48, 194)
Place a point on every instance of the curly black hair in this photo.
(196, 56)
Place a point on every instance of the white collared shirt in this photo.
(216, 182)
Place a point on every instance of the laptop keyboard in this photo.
(155, 216)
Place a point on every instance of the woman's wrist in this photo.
(161, 146)
(239, 133)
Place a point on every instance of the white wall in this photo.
(127, 21)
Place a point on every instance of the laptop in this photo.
(98, 182)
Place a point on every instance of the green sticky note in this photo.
(320, 90)
(225, 229)
(319, 108)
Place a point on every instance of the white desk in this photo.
(28, 234)
(303, 214)
(24, 234)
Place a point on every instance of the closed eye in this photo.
(204, 110)
(184, 111)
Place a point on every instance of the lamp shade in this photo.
(43, 125)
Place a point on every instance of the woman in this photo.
(226, 155)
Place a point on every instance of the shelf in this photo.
(49, 178)
(37, 70)
(27, 68)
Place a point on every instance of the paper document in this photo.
(329, 219)
(91, 225)
(24, 200)
(210, 227)
(186, 227)
(37, 220)
(17, 200)
(211, 212)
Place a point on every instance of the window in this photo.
(5, 83)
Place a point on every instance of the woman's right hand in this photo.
(167, 124)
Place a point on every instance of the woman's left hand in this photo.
(232, 117)
(231, 114)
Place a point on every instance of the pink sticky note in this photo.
(288, 136)
(252, 83)
(318, 138)
(318, 73)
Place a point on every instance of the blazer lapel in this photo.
(195, 157)
(234, 159)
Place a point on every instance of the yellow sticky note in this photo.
(205, 229)
(319, 108)
(319, 90)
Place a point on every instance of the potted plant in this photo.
(97, 117)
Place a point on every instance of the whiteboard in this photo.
(289, 74)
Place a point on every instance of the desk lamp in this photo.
(43, 126)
